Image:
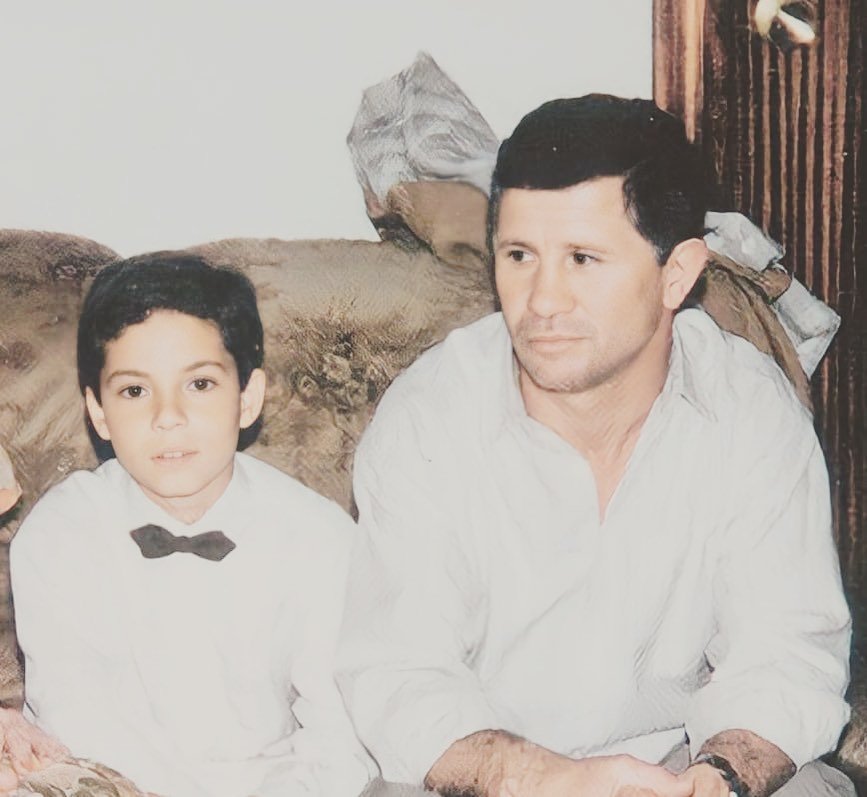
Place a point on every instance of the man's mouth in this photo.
(553, 342)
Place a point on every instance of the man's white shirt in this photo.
(193, 678)
(486, 593)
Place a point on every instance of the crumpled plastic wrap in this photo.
(418, 125)
(808, 321)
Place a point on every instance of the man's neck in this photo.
(603, 423)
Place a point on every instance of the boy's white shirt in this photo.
(189, 676)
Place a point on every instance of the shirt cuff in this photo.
(803, 725)
(417, 749)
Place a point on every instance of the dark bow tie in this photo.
(155, 542)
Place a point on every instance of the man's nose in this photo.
(550, 294)
(168, 413)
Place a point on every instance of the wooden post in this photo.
(785, 131)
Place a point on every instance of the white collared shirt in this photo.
(485, 593)
(193, 678)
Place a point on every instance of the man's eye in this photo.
(517, 255)
(133, 391)
(581, 259)
(201, 384)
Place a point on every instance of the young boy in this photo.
(178, 606)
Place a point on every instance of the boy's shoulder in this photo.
(80, 490)
(72, 504)
(281, 496)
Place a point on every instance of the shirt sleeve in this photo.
(325, 757)
(781, 647)
(415, 604)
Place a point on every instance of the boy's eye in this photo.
(201, 384)
(132, 391)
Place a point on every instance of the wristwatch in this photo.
(736, 788)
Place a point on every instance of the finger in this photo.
(8, 778)
(20, 752)
(706, 782)
(667, 784)
(25, 742)
(682, 788)
(47, 747)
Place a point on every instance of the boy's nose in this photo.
(168, 415)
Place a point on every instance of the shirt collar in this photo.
(685, 367)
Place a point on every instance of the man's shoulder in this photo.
(457, 373)
(735, 383)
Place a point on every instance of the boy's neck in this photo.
(188, 509)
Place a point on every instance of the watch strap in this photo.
(736, 787)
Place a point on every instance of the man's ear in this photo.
(252, 398)
(96, 414)
(683, 267)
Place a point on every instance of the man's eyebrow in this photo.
(516, 243)
(587, 247)
(512, 242)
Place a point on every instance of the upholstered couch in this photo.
(342, 318)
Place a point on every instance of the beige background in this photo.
(172, 122)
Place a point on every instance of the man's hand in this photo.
(611, 776)
(705, 781)
(25, 748)
(497, 764)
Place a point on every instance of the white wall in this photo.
(160, 124)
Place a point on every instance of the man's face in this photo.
(172, 407)
(581, 290)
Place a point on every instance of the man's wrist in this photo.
(470, 765)
(760, 767)
(487, 762)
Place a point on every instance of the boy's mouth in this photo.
(170, 456)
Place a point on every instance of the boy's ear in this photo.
(683, 267)
(96, 414)
(252, 398)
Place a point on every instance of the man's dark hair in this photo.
(570, 141)
(128, 291)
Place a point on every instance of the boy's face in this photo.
(172, 407)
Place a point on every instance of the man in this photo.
(595, 526)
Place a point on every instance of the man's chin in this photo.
(558, 380)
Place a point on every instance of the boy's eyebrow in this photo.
(202, 363)
(125, 372)
(142, 375)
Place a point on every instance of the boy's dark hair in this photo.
(569, 141)
(128, 291)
